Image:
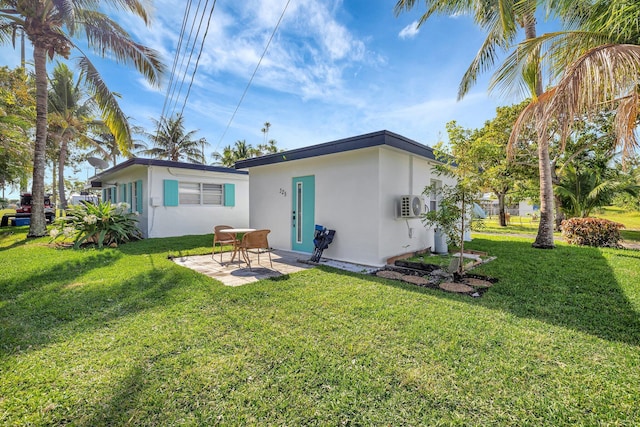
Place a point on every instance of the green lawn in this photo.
(126, 337)
(524, 225)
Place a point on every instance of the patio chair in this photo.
(255, 240)
(221, 238)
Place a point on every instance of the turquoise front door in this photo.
(303, 213)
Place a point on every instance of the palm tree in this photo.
(265, 131)
(584, 189)
(103, 144)
(227, 158)
(240, 151)
(502, 20)
(598, 67)
(172, 143)
(68, 117)
(51, 26)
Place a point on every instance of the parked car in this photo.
(24, 209)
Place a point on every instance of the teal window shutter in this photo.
(130, 197)
(139, 196)
(104, 194)
(229, 194)
(170, 192)
(112, 198)
(123, 192)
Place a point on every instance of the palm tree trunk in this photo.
(54, 193)
(544, 238)
(61, 161)
(38, 226)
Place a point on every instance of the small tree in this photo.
(453, 216)
(455, 209)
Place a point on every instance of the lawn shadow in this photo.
(45, 307)
(571, 287)
(8, 234)
(176, 246)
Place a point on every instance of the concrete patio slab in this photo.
(238, 273)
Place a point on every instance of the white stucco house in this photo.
(368, 188)
(175, 198)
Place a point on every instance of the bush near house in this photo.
(103, 224)
(592, 232)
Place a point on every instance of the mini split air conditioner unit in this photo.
(410, 206)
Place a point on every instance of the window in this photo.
(194, 193)
(188, 193)
(212, 194)
(433, 197)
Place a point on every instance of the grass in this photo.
(524, 225)
(126, 337)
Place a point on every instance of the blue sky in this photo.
(334, 69)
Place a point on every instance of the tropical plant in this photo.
(17, 114)
(102, 224)
(502, 21)
(584, 188)
(51, 26)
(70, 111)
(170, 142)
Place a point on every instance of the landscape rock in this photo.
(459, 288)
(477, 283)
(416, 280)
(388, 274)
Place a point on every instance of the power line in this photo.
(254, 74)
(177, 55)
(195, 39)
(195, 69)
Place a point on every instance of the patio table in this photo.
(237, 231)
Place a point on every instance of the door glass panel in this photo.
(299, 212)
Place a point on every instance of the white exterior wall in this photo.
(346, 200)
(402, 173)
(525, 208)
(182, 220)
(356, 193)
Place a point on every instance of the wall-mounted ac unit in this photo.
(410, 206)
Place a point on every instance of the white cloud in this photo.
(410, 31)
(309, 55)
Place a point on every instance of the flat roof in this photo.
(168, 164)
(383, 137)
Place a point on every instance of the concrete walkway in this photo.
(237, 274)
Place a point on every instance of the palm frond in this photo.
(625, 124)
(604, 78)
(113, 116)
(105, 35)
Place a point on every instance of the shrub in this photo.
(591, 232)
(102, 224)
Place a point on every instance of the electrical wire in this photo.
(176, 56)
(253, 75)
(195, 69)
(195, 40)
